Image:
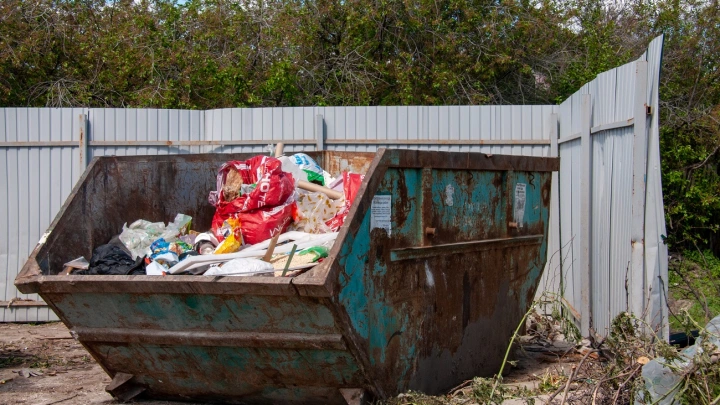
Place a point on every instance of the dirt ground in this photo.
(43, 365)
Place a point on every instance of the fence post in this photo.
(637, 285)
(320, 132)
(83, 142)
(585, 219)
(551, 279)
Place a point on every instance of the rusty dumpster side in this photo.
(435, 300)
(419, 293)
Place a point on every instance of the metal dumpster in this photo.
(433, 269)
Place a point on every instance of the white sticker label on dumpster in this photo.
(380, 211)
(519, 203)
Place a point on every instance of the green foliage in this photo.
(690, 117)
(694, 288)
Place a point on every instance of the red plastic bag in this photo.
(267, 204)
(351, 186)
(257, 225)
(262, 224)
(272, 185)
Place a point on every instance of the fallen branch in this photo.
(574, 373)
(62, 400)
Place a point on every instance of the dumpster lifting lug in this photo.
(123, 388)
(353, 396)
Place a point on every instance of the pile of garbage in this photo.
(274, 216)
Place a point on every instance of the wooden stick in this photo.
(573, 374)
(62, 400)
(306, 185)
(279, 149)
(271, 248)
(287, 265)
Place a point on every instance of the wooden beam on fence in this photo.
(637, 284)
(554, 266)
(236, 142)
(507, 142)
(83, 141)
(320, 132)
(585, 212)
(37, 144)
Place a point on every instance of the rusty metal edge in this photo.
(202, 338)
(217, 285)
(325, 280)
(422, 252)
(472, 161)
(319, 282)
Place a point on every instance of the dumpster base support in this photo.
(122, 388)
(353, 396)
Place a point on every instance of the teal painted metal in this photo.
(172, 312)
(386, 312)
(427, 310)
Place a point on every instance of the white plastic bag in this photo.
(242, 267)
(662, 376)
(303, 167)
(155, 269)
(138, 237)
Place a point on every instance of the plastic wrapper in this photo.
(231, 244)
(267, 185)
(182, 223)
(351, 186)
(317, 252)
(161, 247)
(138, 237)
(242, 267)
(265, 202)
(230, 226)
(313, 211)
(303, 167)
(662, 376)
(166, 259)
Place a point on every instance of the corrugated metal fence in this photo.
(45, 151)
(611, 212)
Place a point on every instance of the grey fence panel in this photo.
(611, 217)
(570, 168)
(114, 131)
(656, 253)
(602, 192)
(490, 129)
(621, 223)
(40, 166)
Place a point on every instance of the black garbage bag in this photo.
(110, 259)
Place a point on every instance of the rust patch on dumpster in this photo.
(442, 307)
